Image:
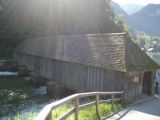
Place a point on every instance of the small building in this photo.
(156, 57)
(90, 62)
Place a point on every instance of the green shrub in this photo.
(88, 113)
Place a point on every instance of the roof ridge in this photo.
(98, 34)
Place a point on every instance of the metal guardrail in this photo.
(46, 113)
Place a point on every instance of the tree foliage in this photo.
(147, 42)
(34, 18)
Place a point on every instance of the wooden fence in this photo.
(46, 113)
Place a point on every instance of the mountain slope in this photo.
(131, 8)
(117, 9)
(147, 19)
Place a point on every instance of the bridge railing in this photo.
(46, 113)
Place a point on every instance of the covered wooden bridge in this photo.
(90, 62)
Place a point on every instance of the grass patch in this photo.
(88, 113)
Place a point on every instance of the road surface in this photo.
(148, 110)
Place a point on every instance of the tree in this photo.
(23, 19)
(122, 26)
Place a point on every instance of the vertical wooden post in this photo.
(49, 116)
(76, 108)
(122, 99)
(112, 99)
(97, 109)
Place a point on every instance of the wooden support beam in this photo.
(66, 115)
(97, 107)
(86, 105)
(122, 99)
(49, 116)
(112, 97)
(76, 108)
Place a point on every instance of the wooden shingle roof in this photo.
(136, 59)
(111, 51)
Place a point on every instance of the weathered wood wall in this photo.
(115, 80)
(84, 78)
(78, 77)
(152, 82)
(133, 85)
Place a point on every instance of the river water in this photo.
(27, 107)
(9, 74)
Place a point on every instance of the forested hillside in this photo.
(21, 19)
(132, 8)
(147, 19)
(118, 10)
(144, 26)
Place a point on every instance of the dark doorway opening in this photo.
(147, 83)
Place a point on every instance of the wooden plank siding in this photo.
(115, 80)
(89, 62)
(133, 84)
(81, 78)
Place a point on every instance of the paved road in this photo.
(148, 110)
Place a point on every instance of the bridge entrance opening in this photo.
(147, 83)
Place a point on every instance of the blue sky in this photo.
(142, 2)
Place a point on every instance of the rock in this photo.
(23, 71)
(58, 91)
(8, 65)
(40, 91)
(50, 88)
(38, 80)
(55, 91)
